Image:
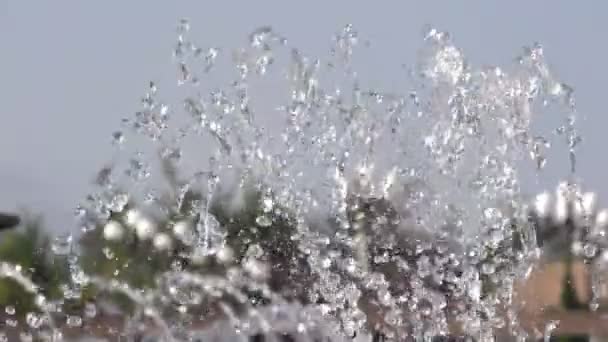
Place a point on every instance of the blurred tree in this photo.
(137, 260)
(29, 247)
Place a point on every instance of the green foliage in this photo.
(132, 261)
(289, 270)
(129, 260)
(29, 247)
(135, 262)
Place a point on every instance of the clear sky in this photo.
(70, 70)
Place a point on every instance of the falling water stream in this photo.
(374, 213)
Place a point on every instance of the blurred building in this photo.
(571, 232)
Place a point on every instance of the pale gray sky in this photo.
(70, 70)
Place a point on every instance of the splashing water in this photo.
(394, 213)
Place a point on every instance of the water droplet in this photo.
(263, 38)
(132, 217)
(263, 221)
(589, 250)
(183, 26)
(210, 57)
(145, 228)
(162, 242)
(57, 335)
(90, 310)
(62, 245)
(267, 204)
(33, 320)
(594, 305)
(74, 321)
(257, 269)
(118, 202)
(184, 73)
(164, 111)
(113, 231)
(542, 204)
(225, 255)
(118, 138)
(152, 87)
(138, 170)
(80, 212)
(488, 268)
(549, 328)
(108, 253)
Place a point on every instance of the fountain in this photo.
(340, 213)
